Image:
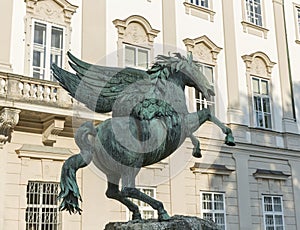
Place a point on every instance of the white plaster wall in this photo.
(18, 37)
(76, 25)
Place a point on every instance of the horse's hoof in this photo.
(229, 140)
(163, 216)
(197, 153)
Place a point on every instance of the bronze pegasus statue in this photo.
(150, 120)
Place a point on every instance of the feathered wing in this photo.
(98, 87)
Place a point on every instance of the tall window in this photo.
(202, 102)
(213, 208)
(254, 12)
(273, 213)
(42, 207)
(47, 49)
(146, 210)
(261, 103)
(136, 57)
(203, 3)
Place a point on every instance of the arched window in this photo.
(135, 41)
(48, 35)
(258, 71)
(204, 51)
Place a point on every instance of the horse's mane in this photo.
(166, 65)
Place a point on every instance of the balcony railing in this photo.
(25, 89)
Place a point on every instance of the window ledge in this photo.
(43, 152)
(254, 29)
(159, 165)
(211, 169)
(270, 174)
(199, 11)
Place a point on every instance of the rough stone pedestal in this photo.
(175, 223)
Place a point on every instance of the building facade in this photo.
(248, 50)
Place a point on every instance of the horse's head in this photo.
(184, 70)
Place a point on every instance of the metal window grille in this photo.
(261, 103)
(203, 3)
(146, 210)
(136, 57)
(213, 208)
(202, 102)
(273, 212)
(42, 212)
(254, 12)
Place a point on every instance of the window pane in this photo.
(207, 216)
(255, 83)
(129, 56)
(257, 103)
(208, 72)
(278, 220)
(266, 105)
(57, 37)
(264, 87)
(39, 33)
(268, 123)
(143, 58)
(220, 218)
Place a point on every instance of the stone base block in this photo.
(175, 223)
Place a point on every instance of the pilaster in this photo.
(234, 112)
(168, 27)
(94, 30)
(295, 168)
(6, 11)
(288, 119)
(243, 190)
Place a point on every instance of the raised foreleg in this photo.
(205, 115)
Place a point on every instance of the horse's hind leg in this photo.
(155, 204)
(113, 192)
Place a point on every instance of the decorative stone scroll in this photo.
(9, 118)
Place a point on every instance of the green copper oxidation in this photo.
(150, 120)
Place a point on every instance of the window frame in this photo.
(204, 103)
(201, 3)
(273, 213)
(213, 211)
(48, 48)
(250, 27)
(248, 12)
(262, 96)
(41, 205)
(136, 49)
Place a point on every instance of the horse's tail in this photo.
(69, 189)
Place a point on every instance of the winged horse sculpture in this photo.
(150, 120)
